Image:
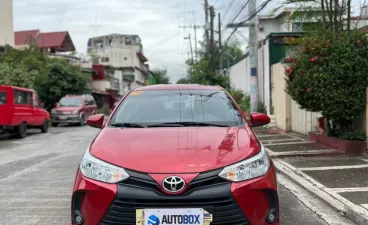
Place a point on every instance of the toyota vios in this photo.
(176, 154)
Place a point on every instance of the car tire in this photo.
(21, 130)
(45, 127)
(54, 124)
(82, 120)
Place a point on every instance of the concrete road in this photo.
(37, 175)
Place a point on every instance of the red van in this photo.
(74, 109)
(20, 109)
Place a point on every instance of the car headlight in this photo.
(97, 169)
(75, 111)
(250, 168)
(53, 111)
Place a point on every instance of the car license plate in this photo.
(195, 216)
(62, 117)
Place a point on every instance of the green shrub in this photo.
(329, 74)
(242, 99)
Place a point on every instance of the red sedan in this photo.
(176, 154)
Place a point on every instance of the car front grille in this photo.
(216, 199)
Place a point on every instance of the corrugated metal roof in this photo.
(22, 37)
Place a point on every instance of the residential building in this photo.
(6, 23)
(272, 29)
(50, 42)
(125, 54)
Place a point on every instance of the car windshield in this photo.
(178, 107)
(70, 102)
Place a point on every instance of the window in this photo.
(169, 106)
(104, 59)
(2, 98)
(36, 103)
(90, 100)
(65, 102)
(22, 97)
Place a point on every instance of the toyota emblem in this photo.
(173, 184)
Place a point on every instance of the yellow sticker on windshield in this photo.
(136, 92)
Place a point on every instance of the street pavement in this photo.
(37, 175)
(344, 178)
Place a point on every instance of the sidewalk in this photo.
(340, 180)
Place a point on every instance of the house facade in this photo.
(272, 29)
(125, 54)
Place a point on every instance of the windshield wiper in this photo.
(186, 124)
(131, 125)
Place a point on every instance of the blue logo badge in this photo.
(153, 220)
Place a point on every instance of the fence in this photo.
(289, 116)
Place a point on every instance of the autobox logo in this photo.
(174, 219)
(153, 220)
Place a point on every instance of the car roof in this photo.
(16, 88)
(178, 87)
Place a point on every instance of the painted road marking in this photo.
(290, 143)
(304, 152)
(280, 140)
(342, 190)
(332, 167)
(365, 206)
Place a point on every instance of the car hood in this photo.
(174, 150)
(67, 108)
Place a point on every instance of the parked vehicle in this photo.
(152, 163)
(20, 109)
(73, 109)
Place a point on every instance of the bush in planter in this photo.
(329, 74)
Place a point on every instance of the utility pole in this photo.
(195, 43)
(220, 44)
(206, 25)
(195, 37)
(253, 58)
(190, 44)
(212, 55)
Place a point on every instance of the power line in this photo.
(227, 11)
(262, 6)
(216, 2)
(165, 40)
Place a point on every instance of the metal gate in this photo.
(303, 121)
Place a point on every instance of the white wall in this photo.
(239, 75)
(269, 26)
(267, 75)
(119, 75)
(6, 23)
(101, 85)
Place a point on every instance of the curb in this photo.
(354, 212)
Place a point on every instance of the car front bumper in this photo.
(65, 118)
(241, 203)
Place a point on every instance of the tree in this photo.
(161, 76)
(63, 78)
(242, 99)
(17, 75)
(30, 59)
(94, 57)
(333, 15)
(202, 72)
(329, 74)
(183, 81)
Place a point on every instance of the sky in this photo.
(155, 21)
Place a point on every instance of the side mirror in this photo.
(259, 119)
(42, 105)
(96, 121)
(57, 104)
